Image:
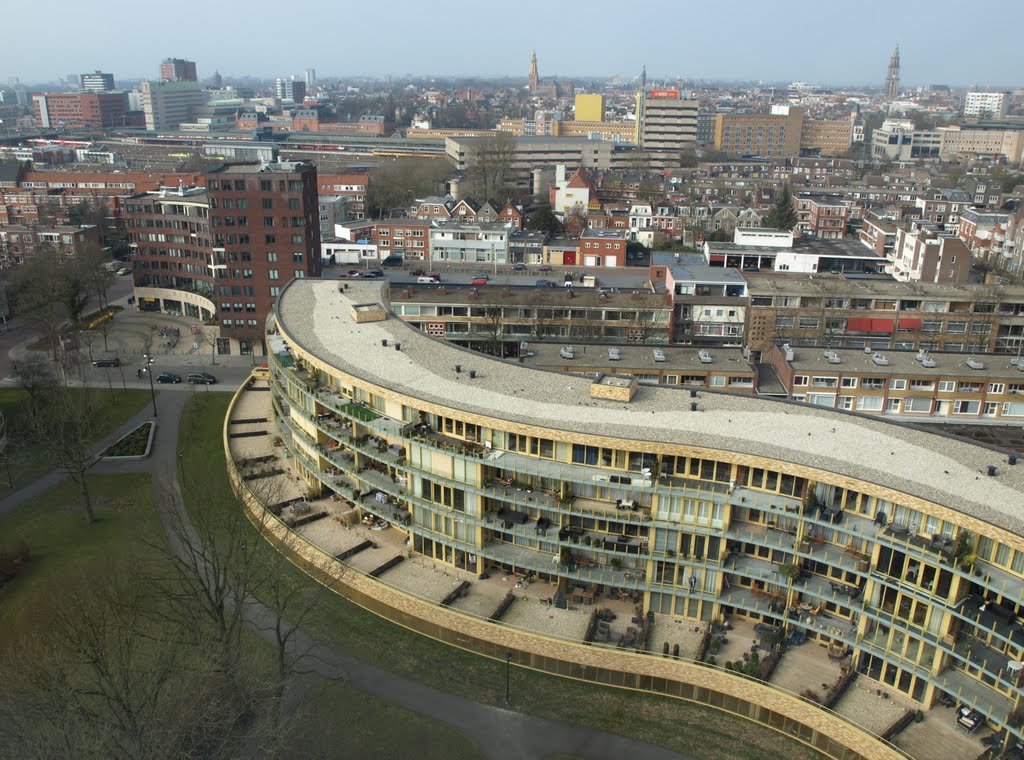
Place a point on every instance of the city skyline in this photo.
(772, 44)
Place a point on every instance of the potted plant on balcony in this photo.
(789, 570)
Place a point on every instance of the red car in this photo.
(352, 273)
(545, 267)
(478, 281)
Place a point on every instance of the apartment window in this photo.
(297, 257)
(270, 239)
(956, 326)
(273, 274)
(266, 185)
(918, 405)
(297, 239)
(962, 406)
(848, 382)
(293, 204)
(898, 385)
(271, 257)
(268, 221)
(299, 274)
(239, 185)
(846, 402)
(268, 203)
(275, 290)
(947, 386)
(800, 380)
(247, 274)
(996, 388)
(869, 403)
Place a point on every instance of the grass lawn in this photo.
(349, 723)
(64, 546)
(27, 462)
(683, 727)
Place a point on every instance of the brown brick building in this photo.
(80, 109)
(222, 255)
(265, 225)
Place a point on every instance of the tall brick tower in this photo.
(533, 72)
(892, 78)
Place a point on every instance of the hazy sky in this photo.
(941, 42)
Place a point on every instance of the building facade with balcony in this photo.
(222, 253)
(894, 548)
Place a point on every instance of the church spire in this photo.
(892, 78)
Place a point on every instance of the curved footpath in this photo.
(501, 734)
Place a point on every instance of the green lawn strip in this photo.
(27, 461)
(365, 726)
(680, 726)
(64, 546)
(133, 444)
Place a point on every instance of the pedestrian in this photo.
(138, 373)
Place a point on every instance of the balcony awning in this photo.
(910, 324)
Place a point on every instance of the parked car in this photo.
(393, 260)
(107, 361)
(353, 273)
(478, 281)
(546, 284)
(201, 378)
(374, 274)
(482, 276)
(380, 525)
(418, 273)
(520, 267)
(545, 267)
(168, 377)
(427, 280)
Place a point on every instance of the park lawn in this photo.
(349, 723)
(64, 546)
(27, 462)
(683, 727)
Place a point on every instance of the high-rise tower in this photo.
(892, 78)
(533, 72)
(643, 78)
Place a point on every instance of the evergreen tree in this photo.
(782, 216)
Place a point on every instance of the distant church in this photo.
(548, 88)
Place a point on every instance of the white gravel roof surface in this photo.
(937, 468)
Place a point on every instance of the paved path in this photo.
(501, 734)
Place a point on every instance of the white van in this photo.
(427, 280)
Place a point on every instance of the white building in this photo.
(168, 104)
(985, 104)
(471, 243)
(641, 217)
(333, 210)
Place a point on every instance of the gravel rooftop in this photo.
(318, 317)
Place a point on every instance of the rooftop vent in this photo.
(705, 357)
(975, 364)
(567, 352)
(928, 362)
(880, 359)
(832, 357)
(659, 355)
(613, 355)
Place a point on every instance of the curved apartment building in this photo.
(898, 549)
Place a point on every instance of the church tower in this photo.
(643, 78)
(892, 78)
(533, 72)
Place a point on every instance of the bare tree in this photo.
(40, 288)
(490, 165)
(211, 339)
(35, 375)
(112, 677)
(62, 425)
(94, 273)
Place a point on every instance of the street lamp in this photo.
(508, 674)
(181, 468)
(149, 370)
